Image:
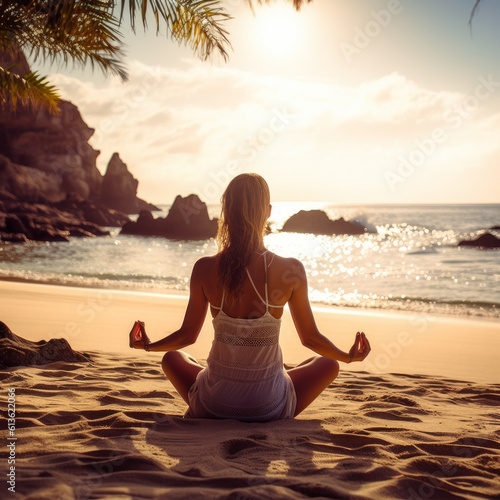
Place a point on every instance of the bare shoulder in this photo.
(205, 268)
(291, 270)
(288, 263)
(206, 262)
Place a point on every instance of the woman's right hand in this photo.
(360, 349)
(138, 338)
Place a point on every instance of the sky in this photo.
(348, 102)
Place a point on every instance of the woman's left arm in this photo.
(193, 319)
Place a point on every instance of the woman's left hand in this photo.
(360, 349)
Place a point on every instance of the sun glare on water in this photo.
(277, 28)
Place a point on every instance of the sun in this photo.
(277, 29)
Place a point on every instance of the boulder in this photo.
(318, 222)
(486, 240)
(16, 351)
(93, 213)
(187, 219)
(119, 189)
(21, 222)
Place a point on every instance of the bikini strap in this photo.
(265, 289)
(266, 266)
(266, 300)
(222, 300)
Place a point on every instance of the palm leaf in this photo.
(473, 13)
(30, 90)
(297, 4)
(83, 32)
(197, 26)
(197, 23)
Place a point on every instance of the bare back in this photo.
(282, 276)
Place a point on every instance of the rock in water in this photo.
(317, 222)
(37, 222)
(187, 219)
(486, 240)
(16, 351)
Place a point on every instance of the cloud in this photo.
(183, 131)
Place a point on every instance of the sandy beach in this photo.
(419, 419)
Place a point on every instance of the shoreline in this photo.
(315, 305)
(409, 343)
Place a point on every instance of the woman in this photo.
(246, 287)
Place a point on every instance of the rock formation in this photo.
(318, 222)
(486, 240)
(22, 222)
(187, 219)
(46, 159)
(16, 351)
(119, 189)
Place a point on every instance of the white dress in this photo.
(244, 378)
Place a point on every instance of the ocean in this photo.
(412, 263)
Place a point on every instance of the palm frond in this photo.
(297, 4)
(198, 24)
(30, 90)
(11, 26)
(77, 31)
(473, 13)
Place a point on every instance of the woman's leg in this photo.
(181, 369)
(311, 378)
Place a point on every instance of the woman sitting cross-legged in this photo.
(246, 286)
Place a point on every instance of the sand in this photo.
(419, 419)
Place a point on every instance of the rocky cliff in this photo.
(46, 159)
(119, 189)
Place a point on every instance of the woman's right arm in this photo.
(308, 332)
(193, 319)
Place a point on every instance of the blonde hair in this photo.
(242, 224)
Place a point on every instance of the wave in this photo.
(363, 220)
(110, 281)
(423, 251)
(421, 305)
(478, 309)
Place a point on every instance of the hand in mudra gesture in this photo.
(138, 338)
(360, 349)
